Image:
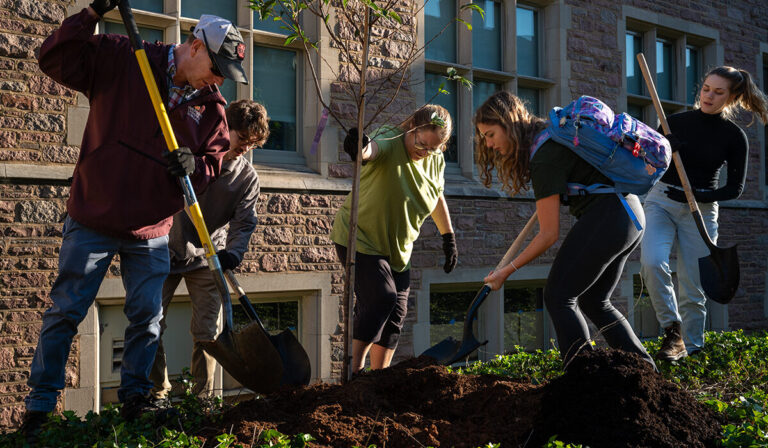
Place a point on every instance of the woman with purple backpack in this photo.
(706, 139)
(590, 260)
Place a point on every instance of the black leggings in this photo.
(586, 270)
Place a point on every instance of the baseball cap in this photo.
(225, 45)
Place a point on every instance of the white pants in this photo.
(667, 222)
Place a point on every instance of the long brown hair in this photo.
(746, 93)
(513, 169)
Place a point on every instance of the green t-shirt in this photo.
(397, 195)
(554, 166)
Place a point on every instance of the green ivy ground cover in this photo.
(730, 375)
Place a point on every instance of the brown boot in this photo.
(672, 347)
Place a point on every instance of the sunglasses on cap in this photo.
(214, 68)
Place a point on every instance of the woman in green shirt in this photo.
(401, 184)
(590, 261)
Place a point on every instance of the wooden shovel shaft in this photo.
(675, 156)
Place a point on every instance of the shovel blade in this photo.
(444, 350)
(719, 273)
(297, 370)
(467, 347)
(249, 356)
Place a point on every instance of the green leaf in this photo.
(395, 17)
(474, 7)
(467, 24)
(290, 39)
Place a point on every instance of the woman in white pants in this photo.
(706, 139)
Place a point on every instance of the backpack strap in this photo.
(575, 189)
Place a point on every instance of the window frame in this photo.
(681, 34)
(507, 78)
(173, 25)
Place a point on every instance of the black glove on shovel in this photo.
(228, 261)
(103, 6)
(180, 162)
(450, 251)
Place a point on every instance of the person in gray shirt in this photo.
(231, 199)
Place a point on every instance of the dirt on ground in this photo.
(606, 399)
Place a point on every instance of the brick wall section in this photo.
(293, 227)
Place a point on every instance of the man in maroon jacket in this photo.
(125, 187)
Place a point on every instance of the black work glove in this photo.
(450, 251)
(674, 142)
(350, 143)
(227, 260)
(180, 162)
(103, 6)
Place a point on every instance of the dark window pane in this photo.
(148, 5)
(270, 24)
(151, 35)
(634, 77)
(481, 91)
(531, 99)
(692, 74)
(524, 318)
(665, 70)
(226, 9)
(527, 42)
(486, 36)
(432, 82)
(635, 111)
(447, 311)
(274, 86)
(438, 14)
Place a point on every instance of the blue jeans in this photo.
(84, 259)
(667, 222)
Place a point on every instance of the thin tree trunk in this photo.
(349, 289)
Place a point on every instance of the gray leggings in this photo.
(585, 272)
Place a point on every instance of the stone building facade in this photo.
(547, 51)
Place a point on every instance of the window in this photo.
(274, 71)
(274, 85)
(765, 128)
(692, 74)
(193, 9)
(665, 69)
(491, 55)
(524, 323)
(447, 311)
(675, 60)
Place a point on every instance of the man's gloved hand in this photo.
(674, 142)
(350, 143)
(450, 251)
(228, 261)
(180, 162)
(103, 6)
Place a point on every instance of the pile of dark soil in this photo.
(614, 399)
(607, 399)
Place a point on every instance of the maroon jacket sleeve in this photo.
(69, 54)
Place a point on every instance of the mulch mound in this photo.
(607, 399)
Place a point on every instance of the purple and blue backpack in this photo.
(626, 150)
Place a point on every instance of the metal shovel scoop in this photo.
(297, 370)
(449, 350)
